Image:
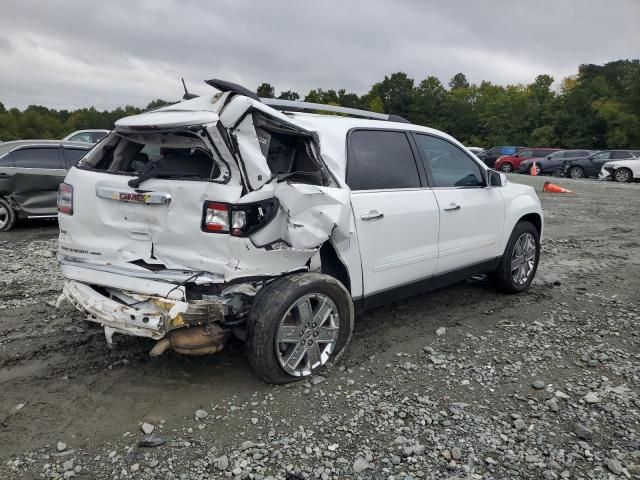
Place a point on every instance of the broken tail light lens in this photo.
(215, 217)
(65, 199)
(239, 220)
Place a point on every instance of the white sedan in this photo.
(621, 170)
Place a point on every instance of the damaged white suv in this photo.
(222, 215)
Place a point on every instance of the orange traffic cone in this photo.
(534, 170)
(553, 188)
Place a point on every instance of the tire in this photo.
(506, 167)
(275, 312)
(503, 278)
(623, 175)
(576, 172)
(7, 216)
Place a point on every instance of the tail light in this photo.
(65, 199)
(216, 217)
(238, 220)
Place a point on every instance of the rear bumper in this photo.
(143, 320)
(138, 307)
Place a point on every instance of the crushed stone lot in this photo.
(461, 383)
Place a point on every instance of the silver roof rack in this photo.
(295, 106)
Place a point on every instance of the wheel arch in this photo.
(522, 208)
(332, 265)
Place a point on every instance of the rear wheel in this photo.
(623, 175)
(576, 172)
(506, 167)
(297, 325)
(7, 216)
(520, 260)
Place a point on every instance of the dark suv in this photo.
(490, 156)
(30, 173)
(591, 165)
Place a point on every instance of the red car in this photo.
(509, 163)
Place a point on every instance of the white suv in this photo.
(223, 215)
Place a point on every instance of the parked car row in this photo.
(618, 165)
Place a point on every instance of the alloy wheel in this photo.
(307, 334)
(622, 176)
(506, 167)
(576, 172)
(523, 258)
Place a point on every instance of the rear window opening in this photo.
(291, 155)
(177, 155)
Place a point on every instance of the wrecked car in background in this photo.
(30, 173)
(222, 215)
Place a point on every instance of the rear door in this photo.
(471, 215)
(38, 170)
(396, 216)
(594, 165)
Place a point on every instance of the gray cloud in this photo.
(77, 53)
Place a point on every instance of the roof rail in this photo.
(295, 106)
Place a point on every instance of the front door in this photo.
(471, 214)
(396, 217)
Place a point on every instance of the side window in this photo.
(36, 158)
(602, 156)
(449, 165)
(6, 161)
(526, 154)
(621, 155)
(97, 136)
(73, 156)
(380, 159)
(82, 137)
(508, 150)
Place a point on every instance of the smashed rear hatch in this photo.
(236, 191)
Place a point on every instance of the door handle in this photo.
(372, 215)
(452, 207)
(5, 175)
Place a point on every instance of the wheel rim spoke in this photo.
(313, 356)
(289, 334)
(305, 312)
(295, 356)
(327, 334)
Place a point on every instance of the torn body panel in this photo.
(133, 256)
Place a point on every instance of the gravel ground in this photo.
(459, 383)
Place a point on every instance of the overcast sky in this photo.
(76, 53)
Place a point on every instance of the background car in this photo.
(30, 173)
(511, 163)
(591, 165)
(88, 136)
(475, 150)
(621, 170)
(552, 162)
(490, 156)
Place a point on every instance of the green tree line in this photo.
(598, 107)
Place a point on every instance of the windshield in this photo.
(170, 154)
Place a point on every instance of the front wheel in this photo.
(623, 175)
(519, 261)
(506, 167)
(576, 172)
(7, 216)
(298, 324)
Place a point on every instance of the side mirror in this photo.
(496, 179)
(517, 155)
